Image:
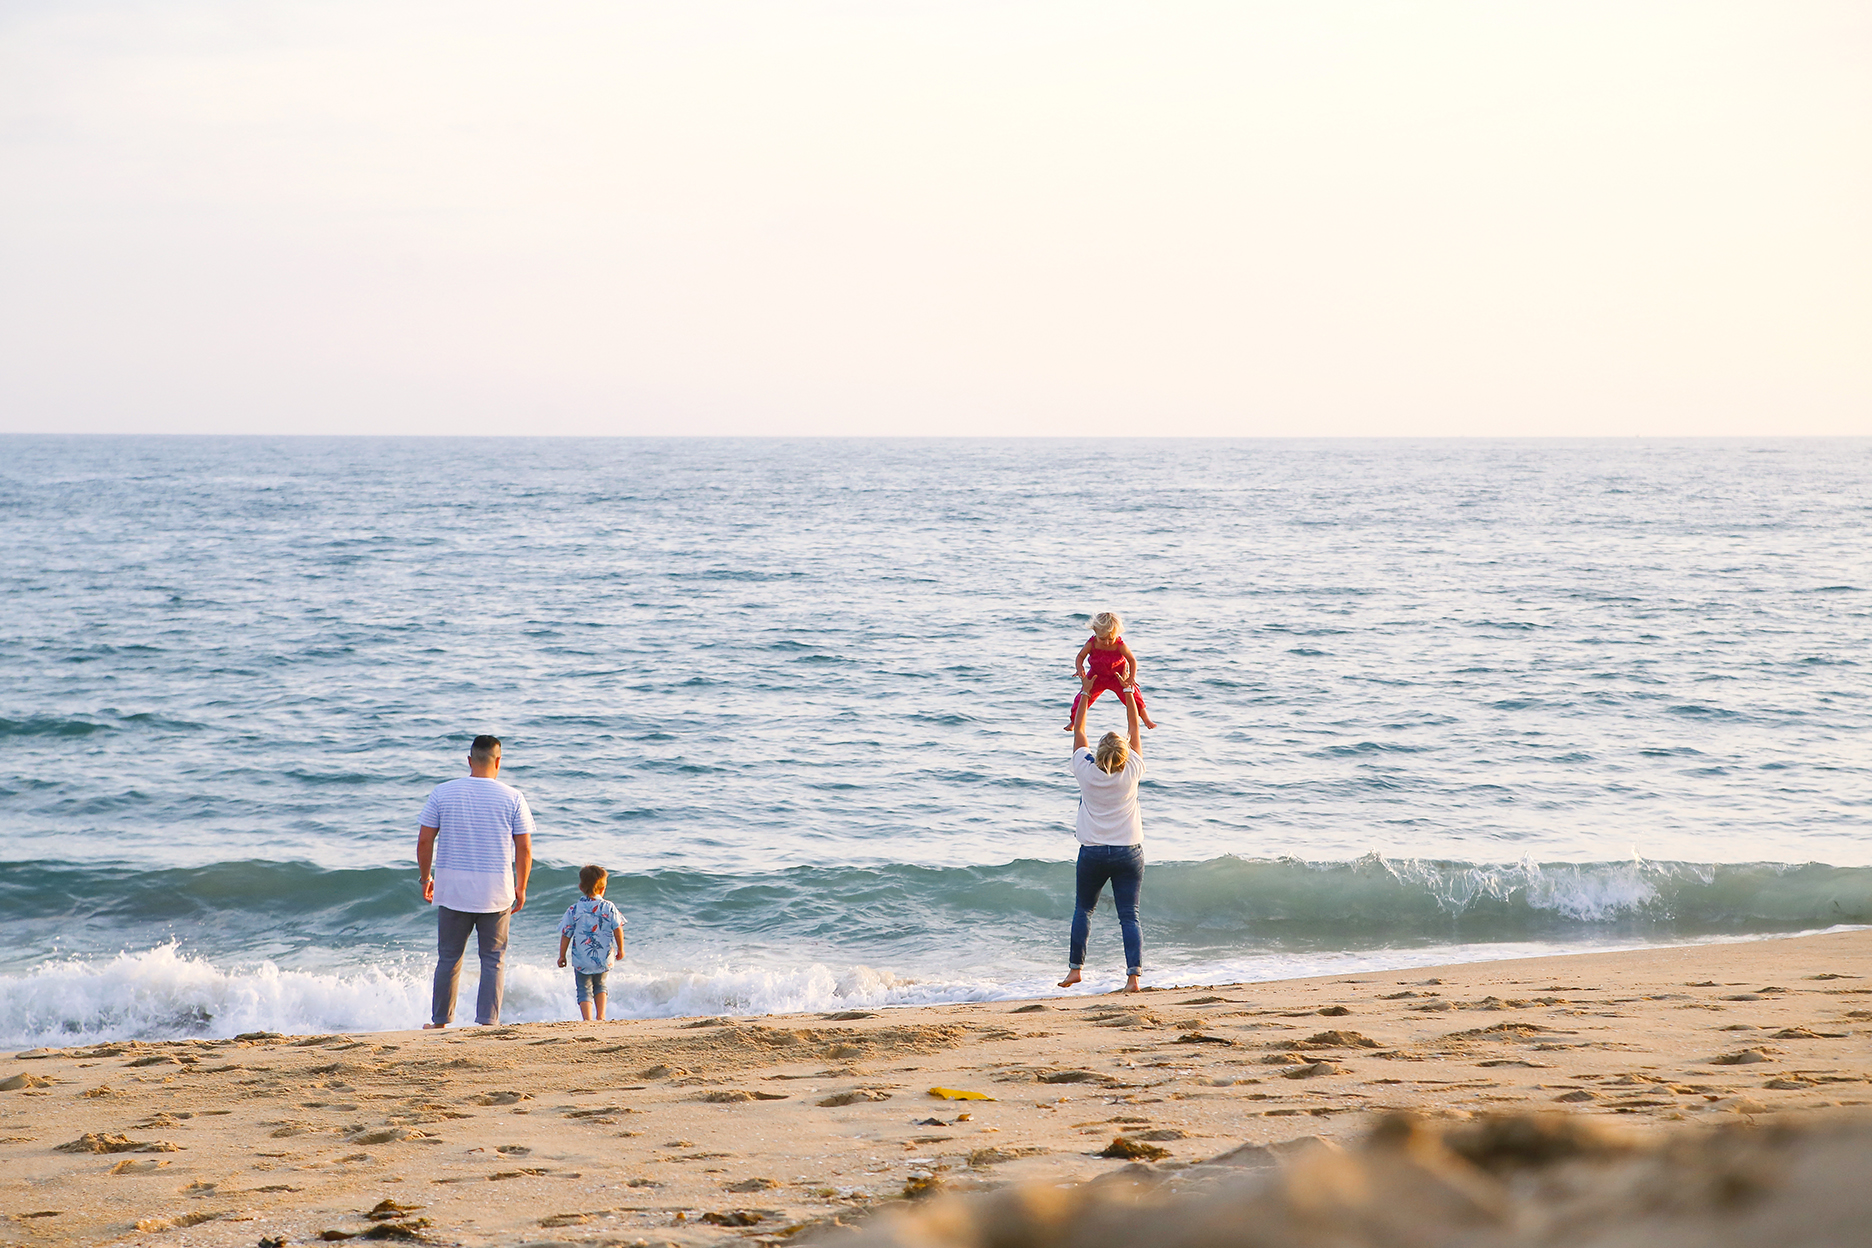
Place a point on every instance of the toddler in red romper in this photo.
(1112, 665)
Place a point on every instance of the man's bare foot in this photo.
(434, 1026)
(1072, 977)
(1131, 985)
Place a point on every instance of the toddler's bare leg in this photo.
(1083, 702)
(1137, 695)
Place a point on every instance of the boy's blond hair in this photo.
(591, 877)
(1106, 624)
(1112, 753)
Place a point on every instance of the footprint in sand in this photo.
(839, 1099)
(93, 1142)
(501, 1098)
(175, 1223)
(385, 1135)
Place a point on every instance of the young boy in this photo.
(1112, 665)
(593, 931)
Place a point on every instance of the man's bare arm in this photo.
(425, 860)
(523, 864)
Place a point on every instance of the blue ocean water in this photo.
(1419, 700)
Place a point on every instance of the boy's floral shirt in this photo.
(588, 923)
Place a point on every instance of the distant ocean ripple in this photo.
(1419, 700)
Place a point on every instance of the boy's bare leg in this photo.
(1072, 977)
(585, 1011)
(600, 1002)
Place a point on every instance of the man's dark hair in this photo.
(484, 748)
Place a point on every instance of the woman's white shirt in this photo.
(1108, 803)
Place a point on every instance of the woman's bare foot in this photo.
(1131, 984)
(1072, 977)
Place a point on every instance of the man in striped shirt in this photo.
(474, 850)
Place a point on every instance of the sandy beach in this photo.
(693, 1131)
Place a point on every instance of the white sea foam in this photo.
(162, 993)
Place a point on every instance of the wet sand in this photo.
(743, 1130)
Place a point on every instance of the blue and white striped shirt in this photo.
(478, 819)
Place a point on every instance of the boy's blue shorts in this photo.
(589, 986)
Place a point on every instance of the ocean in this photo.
(1420, 701)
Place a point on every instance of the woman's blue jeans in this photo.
(1123, 865)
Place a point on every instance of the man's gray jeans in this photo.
(452, 928)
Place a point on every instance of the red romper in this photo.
(1104, 666)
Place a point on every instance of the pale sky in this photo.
(710, 216)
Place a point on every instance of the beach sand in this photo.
(739, 1130)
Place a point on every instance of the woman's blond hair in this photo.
(1112, 753)
(1107, 624)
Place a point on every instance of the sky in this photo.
(972, 217)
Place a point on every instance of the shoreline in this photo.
(1323, 964)
(640, 1129)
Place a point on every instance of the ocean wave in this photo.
(1374, 893)
(50, 726)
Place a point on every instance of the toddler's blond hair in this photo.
(1106, 624)
(1112, 753)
